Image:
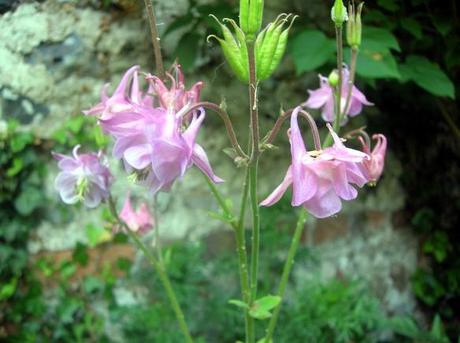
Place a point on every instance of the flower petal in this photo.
(276, 195)
(200, 159)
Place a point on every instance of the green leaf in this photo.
(17, 166)
(29, 199)
(311, 49)
(96, 235)
(238, 303)
(412, 26)
(437, 328)
(187, 50)
(80, 254)
(375, 59)
(8, 289)
(380, 39)
(263, 340)
(179, 23)
(404, 326)
(389, 5)
(427, 75)
(92, 284)
(20, 141)
(261, 308)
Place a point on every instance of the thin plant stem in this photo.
(155, 39)
(157, 229)
(242, 254)
(227, 121)
(161, 273)
(239, 238)
(351, 79)
(338, 90)
(253, 169)
(286, 271)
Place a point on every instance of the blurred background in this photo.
(387, 269)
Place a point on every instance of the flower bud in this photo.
(333, 78)
(354, 26)
(339, 13)
(251, 13)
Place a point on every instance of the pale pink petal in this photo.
(138, 156)
(276, 195)
(200, 159)
(325, 206)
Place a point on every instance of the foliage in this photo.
(381, 56)
(23, 201)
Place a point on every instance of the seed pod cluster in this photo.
(251, 14)
(270, 46)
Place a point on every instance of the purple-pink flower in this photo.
(320, 179)
(83, 177)
(373, 166)
(155, 132)
(323, 98)
(137, 221)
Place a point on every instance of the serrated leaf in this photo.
(238, 303)
(311, 49)
(427, 75)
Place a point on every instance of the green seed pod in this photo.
(354, 26)
(251, 14)
(244, 15)
(232, 52)
(273, 47)
(241, 41)
(339, 13)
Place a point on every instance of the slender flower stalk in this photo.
(338, 107)
(286, 272)
(253, 169)
(155, 39)
(351, 79)
(159, 269)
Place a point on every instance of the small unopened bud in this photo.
(354, 26)
(333, 78)
(339, 13)
(251, 13)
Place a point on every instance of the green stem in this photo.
(351, 79)
(286, 271)
(155, 39)
(240, 241)
(161, 272)
(338, 90)
(242, 254)
(253, 168)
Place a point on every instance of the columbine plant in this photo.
(154, 121)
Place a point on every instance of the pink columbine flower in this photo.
(177, 96)
(323, 98)
(320, 179)
(376, 162)
(137, 221)
(83, 177)
(155, 135)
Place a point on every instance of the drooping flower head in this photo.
(137, 221)
(155, 133)
(320, 178)
(373, 166)
(323, 98)
(83, 177)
